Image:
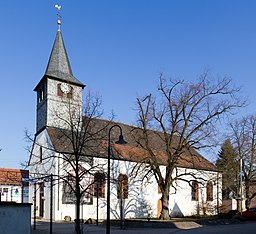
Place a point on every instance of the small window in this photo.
(5, 190)
(41, 93)
(59, 92)
(194, 191)
(122, 187)
(209, 191)
(40, 154)
(70, 93)
(99, 184)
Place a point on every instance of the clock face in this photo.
(65, 88)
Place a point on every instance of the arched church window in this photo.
(99, 184)
(122, 186)
(194, 191)
(209, 191)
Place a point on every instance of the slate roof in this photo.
(58, 65)
(10, 176)
(131, 151)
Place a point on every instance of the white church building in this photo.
(58, 92)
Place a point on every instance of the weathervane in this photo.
(59, 16)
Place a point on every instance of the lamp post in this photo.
(241, 186)
(120, 141)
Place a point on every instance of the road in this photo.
(68, 228)
(248, 227)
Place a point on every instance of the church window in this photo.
(122, 186)
(99, 184)
(209, 191)
(194, 191)
(69, 196)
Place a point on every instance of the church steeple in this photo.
(59, 65)
(58, 89)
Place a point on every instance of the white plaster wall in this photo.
(180, 200)
(59, 108)
(143, 197)
(39, 170)
(14, 193)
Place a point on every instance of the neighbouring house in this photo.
(14, 185)
(231, 203)
(198, 191)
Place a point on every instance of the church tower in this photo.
(58, 92)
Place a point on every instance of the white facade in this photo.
(14, 193)
(143, 197)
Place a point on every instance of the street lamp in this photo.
(120, 141)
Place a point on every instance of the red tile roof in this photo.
(12, 176)
(130, 152)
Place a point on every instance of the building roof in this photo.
(10, 176)
(58, 65)
(131, 151)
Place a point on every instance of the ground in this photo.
(217, 226)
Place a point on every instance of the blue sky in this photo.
(118, 48)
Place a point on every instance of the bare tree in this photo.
(69, 152)
(244, 138)
(185, 116)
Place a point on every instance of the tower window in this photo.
(41, 93)
(70, 93)
(59, 91)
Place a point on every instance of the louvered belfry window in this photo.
(59, 92)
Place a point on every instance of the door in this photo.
(41, 200)
(159, 207)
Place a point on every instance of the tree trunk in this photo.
(77, 225)
(247, 195)
(165, 206)
(239, 204)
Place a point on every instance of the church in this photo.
(63, 150)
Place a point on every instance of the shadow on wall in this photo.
(176, 212)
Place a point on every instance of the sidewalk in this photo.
(68, 228)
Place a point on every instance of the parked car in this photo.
(250, 213)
